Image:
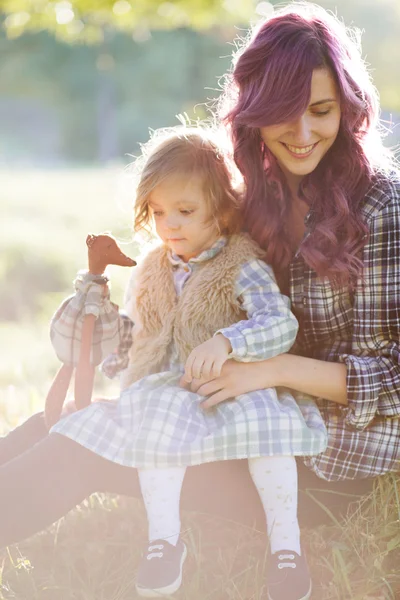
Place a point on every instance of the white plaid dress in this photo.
(157, 423)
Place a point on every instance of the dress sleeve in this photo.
(373, 366)
(271, 327)
(110, 333)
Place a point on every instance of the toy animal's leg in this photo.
(22, 437)
(84, 374)
(56, 395)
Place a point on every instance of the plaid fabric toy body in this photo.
(156, 423)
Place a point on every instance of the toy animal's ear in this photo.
(90, 239)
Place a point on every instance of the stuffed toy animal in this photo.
(103, 250)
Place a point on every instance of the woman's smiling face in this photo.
(300, 145)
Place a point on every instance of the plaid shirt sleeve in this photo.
(373, 368)
(271, 327)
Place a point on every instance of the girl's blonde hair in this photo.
(188, 152)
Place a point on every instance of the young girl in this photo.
(203, 296)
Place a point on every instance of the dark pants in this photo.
(42, 477)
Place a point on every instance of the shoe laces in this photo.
(286, 565)
(151, 554)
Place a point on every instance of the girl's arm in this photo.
(270, 328)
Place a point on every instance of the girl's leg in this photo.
(44, 483)
(160, 572)
(23, 437)
(276, 481)
(161, 491)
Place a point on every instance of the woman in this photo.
(322, 201)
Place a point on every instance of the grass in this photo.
(92, 553)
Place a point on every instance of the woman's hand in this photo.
(236, 378)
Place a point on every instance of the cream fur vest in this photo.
(206, 304)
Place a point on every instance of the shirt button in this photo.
(304, 300)
(186, 269)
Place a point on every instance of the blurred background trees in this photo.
(82, 81)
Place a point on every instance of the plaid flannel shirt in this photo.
(360, 328)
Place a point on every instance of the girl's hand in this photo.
(236, 378)
(207, 359)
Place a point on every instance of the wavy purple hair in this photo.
(271, 84)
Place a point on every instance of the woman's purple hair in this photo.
(270, 84)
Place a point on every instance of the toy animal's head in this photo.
(103, 250)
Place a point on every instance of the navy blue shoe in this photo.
(160, 572)
(288, 576)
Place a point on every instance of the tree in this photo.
(86, 20)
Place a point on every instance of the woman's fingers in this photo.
(215, 399)
(213, 389)
(210, 387)
(193, 385)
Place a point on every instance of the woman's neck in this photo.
(299, 208)
(293, 181)
(295, 225)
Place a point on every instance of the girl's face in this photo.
(182, 216)
(300, 145)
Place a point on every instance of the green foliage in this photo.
(379, 22)
(26, 281)
(62, 102)
(86, 103)
(86, 20)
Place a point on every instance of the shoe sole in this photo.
(306, 597)
(168, 589)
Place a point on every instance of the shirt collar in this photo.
(217, 246)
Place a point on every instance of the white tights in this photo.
(275, 478)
